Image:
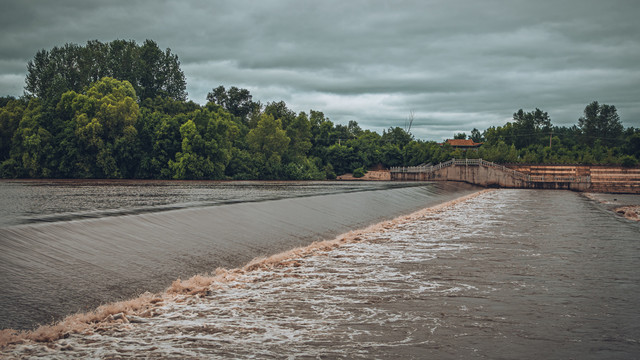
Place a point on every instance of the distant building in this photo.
(462, 144)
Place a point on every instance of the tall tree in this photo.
(151, 71)
(280, 111)
(397, 136)
(354, 129)
(32, 145)
(299, 131)
(530, 127)
(600, 122)
(190, 162)
(268, 137)
(103, 121)
(476, 136)
(236, 101)
(460, 136)
(10, 115)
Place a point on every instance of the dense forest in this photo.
(119, 110)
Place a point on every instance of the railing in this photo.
(480, 162)
(552, 178)
(514, 173)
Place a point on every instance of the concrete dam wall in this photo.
(591, 178)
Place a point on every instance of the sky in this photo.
(455, 65)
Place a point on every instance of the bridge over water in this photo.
(484, 173)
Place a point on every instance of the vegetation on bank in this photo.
(119, 110)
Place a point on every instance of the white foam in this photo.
(344, 302)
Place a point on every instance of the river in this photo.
(69, 246)
(525, 274)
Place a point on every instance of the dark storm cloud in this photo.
(456, 64)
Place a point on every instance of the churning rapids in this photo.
(69, 246)
(526, 274)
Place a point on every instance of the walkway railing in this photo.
(553, 178)
(480, 162)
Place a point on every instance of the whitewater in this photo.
(498, 274)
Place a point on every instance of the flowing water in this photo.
(527, 274)
(36, 201)
(68, 246)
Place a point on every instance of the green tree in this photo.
(632, 144)
(303, 169)
(159, 138)
(396, 136)
(280, 111)
(244, 165)
(476, 136)
(169, 106)
(190, 163)
(206, 148)
(10, 115)
(422, 152)
(500, 152)
(236, 101)
(354, 129)
(268, 138)
(151, 71)
(392, 155)
(600, 122)
(359, 172)
(343, 159)
(368, 148)
(321, 129)
(159, 73)
(629, 161)
(32, 146)
(269, 142)
(461, 136)
(299, 131)
(530, 127)
(104, 121)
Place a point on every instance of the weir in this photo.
(484, 173)
(50, 270)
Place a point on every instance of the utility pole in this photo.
(550, 136)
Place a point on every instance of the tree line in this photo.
(119, 110)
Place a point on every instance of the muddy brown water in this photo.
(509, 274)
(69, 246)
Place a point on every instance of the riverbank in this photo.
(119, 318)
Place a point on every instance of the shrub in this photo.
(629, 161)
(359, 172)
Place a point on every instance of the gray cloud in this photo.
(456, 64)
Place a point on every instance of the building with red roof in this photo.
(463, 144)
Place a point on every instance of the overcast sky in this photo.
(456, 64)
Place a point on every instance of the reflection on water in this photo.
(51, 269)
(510, 274)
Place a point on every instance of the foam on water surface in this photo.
(454, 281)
